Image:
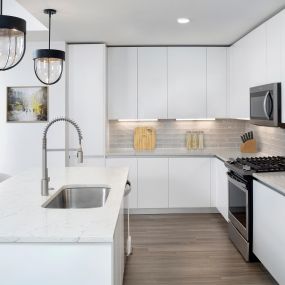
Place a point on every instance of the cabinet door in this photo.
(131, 163)
(217, 82)
(247, 69)
(153, 182)
(220, 184)
(189, 182)
(86, 96)
(268, 229)
(152, 83)
(273, 28)
(186, 82)
(122, 83)
(283, 65)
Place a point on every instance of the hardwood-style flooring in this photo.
(187, 249)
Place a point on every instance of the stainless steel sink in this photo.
(78, 197)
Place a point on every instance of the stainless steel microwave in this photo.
(265, 105)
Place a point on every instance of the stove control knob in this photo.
(246, 168)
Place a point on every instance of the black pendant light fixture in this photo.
(48, 63)
(12, 40)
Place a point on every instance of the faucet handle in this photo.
(80, 155)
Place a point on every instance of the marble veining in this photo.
(22, 219)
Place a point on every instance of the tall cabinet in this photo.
(86, 99)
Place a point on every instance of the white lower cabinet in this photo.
(131, 163)
(189, 182)
(220, 196)
(153, 182)
(269, 230)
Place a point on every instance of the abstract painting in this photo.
(27, 104)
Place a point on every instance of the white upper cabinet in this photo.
(283, 64)
(122, 83)
(273, 31)
(247, 69)
(152, 83)
(217, 82)
(86, 96)
(187, 82)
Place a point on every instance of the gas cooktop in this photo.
(250, 165)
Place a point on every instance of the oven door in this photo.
(238, 204)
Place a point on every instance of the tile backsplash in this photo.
(269, 140)
(172, 134)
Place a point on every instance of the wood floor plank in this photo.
(180, 249)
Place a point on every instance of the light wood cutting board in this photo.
(144, 138)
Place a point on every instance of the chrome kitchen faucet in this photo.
(45, 179)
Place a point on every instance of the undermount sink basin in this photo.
(78, 197)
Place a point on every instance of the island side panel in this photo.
(56, 263)
(119, 249)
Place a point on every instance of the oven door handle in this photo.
(239, 184)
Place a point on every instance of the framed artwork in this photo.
(27, 104)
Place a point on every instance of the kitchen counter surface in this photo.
(222, 153)
(22, 219)
(275, 180)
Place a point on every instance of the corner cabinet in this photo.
(269, 230)
(187, 82)
(247, 69)
(220, 196)
(122, 82)
(189, 182)
(86, 97)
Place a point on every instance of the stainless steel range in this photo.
(241, 198)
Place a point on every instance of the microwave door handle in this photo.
(264, 105)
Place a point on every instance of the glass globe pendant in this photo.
(48, 63)
(12, 40)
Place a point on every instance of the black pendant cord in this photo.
(49, 28)
(1, 7)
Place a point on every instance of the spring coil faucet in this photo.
(45, 179)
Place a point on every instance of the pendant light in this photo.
(12, 40)
(48, 63)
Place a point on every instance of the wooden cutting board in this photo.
(144, 138)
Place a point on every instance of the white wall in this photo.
(20, 143)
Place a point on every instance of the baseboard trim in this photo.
(174, 211)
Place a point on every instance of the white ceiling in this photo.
(12, 8)
(153, 22)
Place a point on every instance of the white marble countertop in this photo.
(275, 180)
(222, 153)
(22, 219)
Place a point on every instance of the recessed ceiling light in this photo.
(183, 20)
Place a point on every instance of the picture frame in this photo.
(27, 104)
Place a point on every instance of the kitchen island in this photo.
(61, 246)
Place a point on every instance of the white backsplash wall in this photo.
(269, 140)
(171, 134)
